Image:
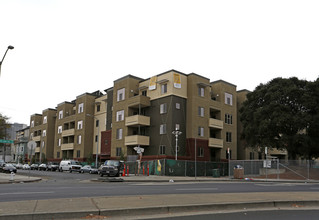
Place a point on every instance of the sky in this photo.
(64, 48)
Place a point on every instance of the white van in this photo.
(70, 165)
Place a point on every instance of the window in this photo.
(163, 88)
(79, 139)
(98, 108)
(201, 91)
(80, 108)
(97, 123)
(78, 153)
(118, 151)
(228, 154)
(60, 129)
(201, 152)
(96, 138)
(61, 114)
(58, 154)
(45, 119)
(228, 136)
(251, 155)
(228, 99)
(80, 125)
(177, 127)
(43, 144)
(59, 142)
(106, 142)
(163, 129)
(120, 94)
(44, 133)
(119, 133)
(178, 105)
(201, 131)
(201, 111)
(228, 119)
(163, 108)
(144, 92)
(32, 124)
(162, 149)
(120, 115)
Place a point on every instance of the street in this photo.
(74, 185)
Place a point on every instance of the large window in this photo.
(228, 119)
(60, 129)
(79, 139)
(78, 153)
(163, 108)
(201, 111)
(228, 99)
(120, 115)
(61, 114)
(120, 94)
(163, 88)
(163, 129)
(228, 137)
(118, 151)
(201, 91)
(201, 131)
(44, 133)
(200, 152)
(45, 119)
(119, 133)
(81, 106)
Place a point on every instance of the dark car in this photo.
(9, 168)
(34, 166)
(53, 166)
(112, 168)
(88, 169)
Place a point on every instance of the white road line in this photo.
(199, 189)
(26, 193)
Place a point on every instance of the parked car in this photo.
(53, 166)
(19, 166)
(2, 163)
(8, 168)
(42, 166)
(26, 167)
(70, 165)
(112, 168)
(88, 169)
(34, 166)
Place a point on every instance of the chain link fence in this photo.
(257, 169)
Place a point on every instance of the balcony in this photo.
(69, 132)
(36, 138)
(37, 150)
(137, 140)
(215, 123)
(136, 120)
(69, 146)
(215, 143)
(139, 101)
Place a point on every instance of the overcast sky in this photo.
(64, 48)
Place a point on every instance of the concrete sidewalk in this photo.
(16, 178)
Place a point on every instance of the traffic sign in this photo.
(6, 141)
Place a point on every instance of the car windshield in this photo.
(111, 163)
(75, 163)
(9, 165)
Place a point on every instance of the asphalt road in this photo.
(72, 185)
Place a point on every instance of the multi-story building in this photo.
(42, 131)
(21, 150)
(146, 112)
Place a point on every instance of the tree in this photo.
(3, 125)
(279, 115)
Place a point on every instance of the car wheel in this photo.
(101, 175)
(70, 171)
(90, 172)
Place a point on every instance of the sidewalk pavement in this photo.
(139, 206)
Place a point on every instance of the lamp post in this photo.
(9, 48)
(97, 141)
(176, 133)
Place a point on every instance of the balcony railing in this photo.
(37, 150)
(69, 132)
(216, 143)
(36, 138)
(139, 100)
(69, 146)
(215, 123)
(136, 120)
(137, 140)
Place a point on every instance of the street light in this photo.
(176, 133)
(97, 141)
(9, 48)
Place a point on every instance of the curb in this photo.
(156, 210)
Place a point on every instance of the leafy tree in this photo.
(3, 125)
(280, 114)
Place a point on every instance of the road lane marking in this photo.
(191, 189)
(25, 193)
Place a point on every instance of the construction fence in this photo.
(238, 169)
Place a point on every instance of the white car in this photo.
(70, 165)
(19, 166)
(26, 167)
(42, 166)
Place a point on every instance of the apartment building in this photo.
(74, 130)
(21, 152)
(42, 131)
(146, 112)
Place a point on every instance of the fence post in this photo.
(277, 168)
(308, 168)
(185, 167)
